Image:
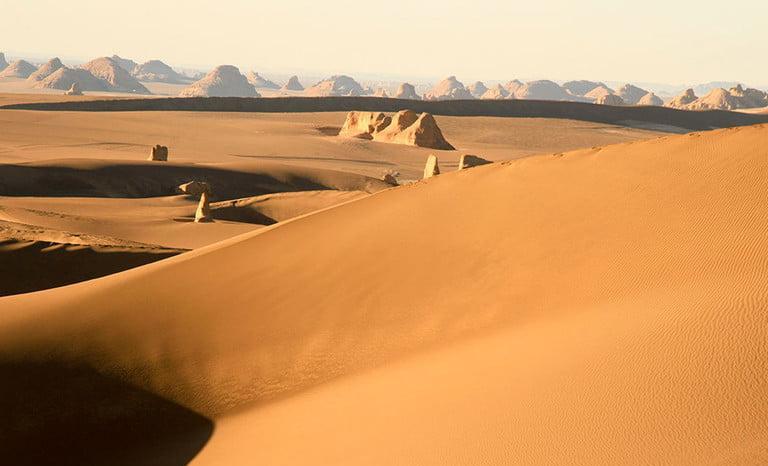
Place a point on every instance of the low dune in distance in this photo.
(602, 306)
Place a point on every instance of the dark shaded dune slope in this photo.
(498, 108)
(114, 178)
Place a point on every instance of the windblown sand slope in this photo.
(600, 306)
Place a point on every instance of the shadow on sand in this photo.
(51, 414)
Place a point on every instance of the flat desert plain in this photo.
(596, 296)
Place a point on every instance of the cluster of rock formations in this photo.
(3, 62)
(721, 99)
(405, 127)
(53, 65)
(158, 153)
(223, 81)
(339, 85)
(118, 79)
(103, 74)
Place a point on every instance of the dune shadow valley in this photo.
(254, 237)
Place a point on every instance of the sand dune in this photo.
(604, 306)
(37, 265)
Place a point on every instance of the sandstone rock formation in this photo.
(64, 78)
(74, 90)
(599, 92)
(513, 86)
(749, 98)
(405, 127)
(477, 89)
(544, 90)
(260, 82)
(338, 85)
(203, 212)
(469, 161)
(223, 81)
(364, 125)
(610, 99)
(18, 69)
(125, 63)
(424, 132)
(407, 91)
(194, 188)
(734, 98)
(582, 87)
(53, 65)
(497, 92)
(448, 89)
(683, 100)
(630, 94)
(157, 71)
(3, 63)
(650, 99)
(158, 153)
(118, 79)
(293, 84)
(431, 168)
(381, 92)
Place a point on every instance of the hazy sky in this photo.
(669, 41)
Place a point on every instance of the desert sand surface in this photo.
(599, 306)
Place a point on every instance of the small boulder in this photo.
(194, 188)
(431, 168)
(203, 212)
(469, 161)
(159, 154)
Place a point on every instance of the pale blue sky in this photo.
(669, 41)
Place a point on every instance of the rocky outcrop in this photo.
(405, 127)
(339, 85)
(158, 153)
(544, 90)
(582, 88)
(448, 89)
(513, 86)
(364, 125)
(157, 71)
(610, 99)
(630, 94)
(18, 69)
(3, 63)
(431, 168)
(497, 92)
(477, 89)
(118, 78)
(650, 99)
(125, 63)
(599, 92)
(74, 90)
(203, 212)
(260, 82)
(293, 84)
(194, 188)
(424, 132)
(64, 78)
(683, 100)
(381, 92)
(407, 91)
(223, 81)
(53, 65)
(469, 161)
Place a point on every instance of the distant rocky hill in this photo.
(222, 81)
